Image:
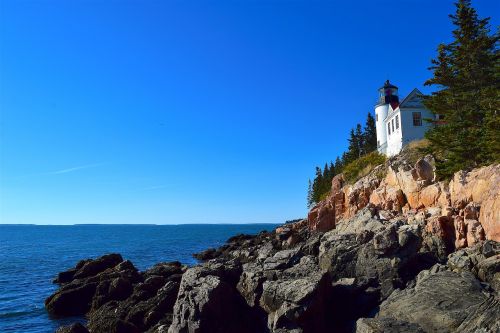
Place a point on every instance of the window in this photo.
(376, 116)
(397, 121)
(417, 119)
(389, 128)
(378, 143)
(392, 122)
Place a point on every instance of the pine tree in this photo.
(326, 171)
(467, 73)
(338, 165)
(317, 184)
(369, 135)
(360, 140)
(310, 200)
(344, 160)
(354, 150)
(333, 171)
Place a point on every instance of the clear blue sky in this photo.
(193, 111)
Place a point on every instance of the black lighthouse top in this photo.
(388, 94)
(388, 85)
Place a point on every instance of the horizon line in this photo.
(138, 224)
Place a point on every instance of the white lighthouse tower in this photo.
(388, 96)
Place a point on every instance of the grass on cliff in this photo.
(415, 150)
(362, 166)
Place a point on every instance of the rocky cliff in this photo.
(394, 252)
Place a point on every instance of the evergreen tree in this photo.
(355, 144)
(317, 185)
(325, 185)
(369, 135)
(326, 171)
(310, 200)
(467, 73)
(344, 160)
(360, 140)
(333, 171)
(338, 165)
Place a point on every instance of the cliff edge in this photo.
(395, 251)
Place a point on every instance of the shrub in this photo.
(362, 166)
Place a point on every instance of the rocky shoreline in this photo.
(394, 252)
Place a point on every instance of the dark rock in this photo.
(386, 241)
(165, 269)
(99, 281)
(298, 299)
(208, 301)
(240, 238)
(71, 301)
(439, 302)
(207, 254)
(399, 271)
(93, 267)
(65, 277)
(386, 325)
(283, 259)
(74, 328)
(338, 254)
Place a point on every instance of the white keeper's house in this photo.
(398, 123)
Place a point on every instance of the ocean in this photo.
(32, 255)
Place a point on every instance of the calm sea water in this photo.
(31, 256)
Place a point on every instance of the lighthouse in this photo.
(388, 96)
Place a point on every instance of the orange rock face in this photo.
(489, 217)
(357, 196)
(469, 206)
(460, 232)
(322, 217)
(482, 187)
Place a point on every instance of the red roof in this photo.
(394, 105)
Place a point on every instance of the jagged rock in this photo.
(460, 232)
(364, 220)
(388, 198)
(108, 318)
(441, 226)
(357, 196)
(386, 325)
(250, 283)
(434, 195)
(89, 267)
(119, 298)
(208, 301)
(292, 302)
(282, 259)
(94, 267)
(483, 319)
(483, 260)
(74, 328)
(94, 283)
(338, 254)
(386, 240)
(207, 254)
(297, 297)
(73, 301)
(489, 270)
(475, 232)
(406, 249)
(481, 186)
(322, 216)
(439, 302)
